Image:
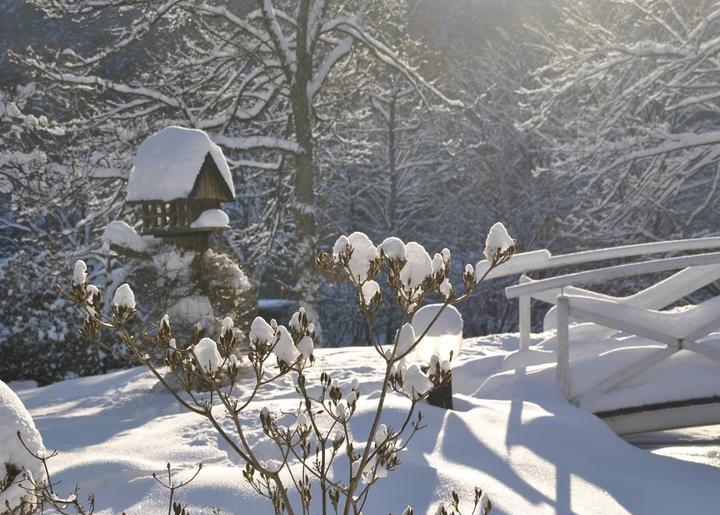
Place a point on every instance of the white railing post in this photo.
(562, 351)
(524, 316)
(524, 322)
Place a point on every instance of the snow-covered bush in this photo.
(196, 289)
(318, 453)
(25, 483)
(18, 467)
(38, 331)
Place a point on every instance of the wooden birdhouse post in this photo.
(180, 178)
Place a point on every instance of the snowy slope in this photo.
(511, 434)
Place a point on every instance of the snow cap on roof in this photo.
(168, 163)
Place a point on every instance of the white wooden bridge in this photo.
(646, 335)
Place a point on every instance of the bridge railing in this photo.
(618, 314)
(527, 262)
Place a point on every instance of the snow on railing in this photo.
(527, 262)
(634, 313)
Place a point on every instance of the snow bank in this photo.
(13, 418)
(444, 335)
(512, 434)
(123, 235)
(211, 218)
(192, 309)
(168, 162)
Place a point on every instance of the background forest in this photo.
(577, 124)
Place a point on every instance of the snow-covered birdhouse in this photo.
(180, 178)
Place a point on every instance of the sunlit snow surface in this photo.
(511, 434)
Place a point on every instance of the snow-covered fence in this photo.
(635, 314)
(527, 262)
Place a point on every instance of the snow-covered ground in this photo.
(512, 433)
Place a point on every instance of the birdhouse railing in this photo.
(174, 216)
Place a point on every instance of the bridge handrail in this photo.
(612, 272)
(589, 256)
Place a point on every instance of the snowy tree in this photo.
(254, 77)
(628, 104)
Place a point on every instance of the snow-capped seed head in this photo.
(445, 288)
(355, 468)
(481, 268)
(469, 275)
(369, 290)
(261, 331)
(294, 323)
(227, 325)
(207, 355)
(233, 361)
(415, 382)
(381, 435)
(434, 361)
(445, 253)
(79, 273)
(284, 349)
(124, 297)
(265, 412)
(355, 385)
(273, 324)
(311, 328)
(165, 321)
(341, 244)
(302, 420)
(306, 346)
(438, 264)
(417, 267)
(445, 365)
(92, 291)
(393, 248)
(341, 410)
(363, 254)
(405, 339)
(498, 240)
(172, 344)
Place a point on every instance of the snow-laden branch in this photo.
(257, 142)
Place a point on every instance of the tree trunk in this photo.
(308, 284)
(392, 167)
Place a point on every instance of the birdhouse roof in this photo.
(168, 164)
